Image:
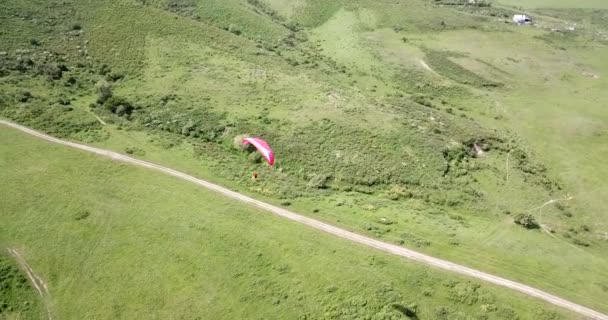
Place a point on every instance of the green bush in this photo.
(526, 220)
(317, 181)
(255, 157)
(51, 71)
(580, 242)
(238, 144)
(24, 96)
(118, 106)
(81, 215)
(135, 151)
(104, 90)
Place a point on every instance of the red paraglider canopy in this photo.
(262, 147)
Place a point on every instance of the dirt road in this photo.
(396, 250)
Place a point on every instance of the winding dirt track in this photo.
(35, 280)
(396, 250)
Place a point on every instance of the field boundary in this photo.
(373, 243)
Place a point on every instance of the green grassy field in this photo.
(130, 243)
(373, 109)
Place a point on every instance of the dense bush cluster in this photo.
(526, 220)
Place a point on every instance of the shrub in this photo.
(135, 151)
(318, 181)
(507, 313)
(76, 26)
(70, 81)
(255, 157)
(331, 289)
(51, 71)
(34, 42)
(119, 106)
(397, 192)
(104, 69)
(114, 76)
(546, 315)
(386, 221)
(64, 101)
(24, 96)
(526, 220)
(104, 89)
(580, 242)
(239, 145)
(408, 310)
(422, 243)
(81, 215)
(234, 29)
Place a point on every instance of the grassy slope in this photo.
(363, 66)
(129, 243)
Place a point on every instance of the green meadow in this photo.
(130, 243)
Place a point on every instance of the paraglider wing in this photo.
(262, 147)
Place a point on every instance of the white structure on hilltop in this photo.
(522, 19)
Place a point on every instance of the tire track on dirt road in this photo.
(35, 280)
(390, 248)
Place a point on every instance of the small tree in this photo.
(104, 89)
(526, 220)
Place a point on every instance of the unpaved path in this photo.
(427, 67)
(36, 281)
(99, 119)
(393, 249)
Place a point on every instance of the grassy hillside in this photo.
(431, 124)
(131, 243)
